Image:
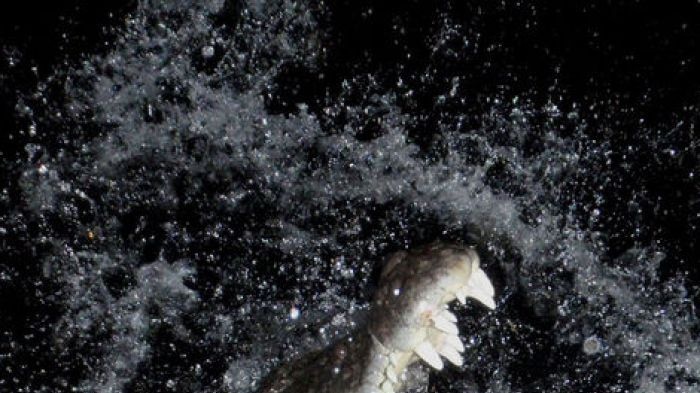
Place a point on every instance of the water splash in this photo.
(194, 143)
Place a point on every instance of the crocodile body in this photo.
(409, 321)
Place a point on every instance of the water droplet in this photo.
(294, 313)
(207, 51)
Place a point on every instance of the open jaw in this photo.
(410, 318)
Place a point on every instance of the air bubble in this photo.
(592, 345)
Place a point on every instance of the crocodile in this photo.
(409, 323)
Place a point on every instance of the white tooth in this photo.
(451, 354)
(481, 296)
(392, 375)
(446, 326)
(479, 280)
(480, 288)
(449, 316)
(461, 296)
(454, 342)
(426, 352)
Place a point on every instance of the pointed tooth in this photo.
(479, 280)
(449, 316)
(461, 296)
(451, 354)
(482, 297)
(428, 353)
(454, 342)
(446, 326)
(391, 374)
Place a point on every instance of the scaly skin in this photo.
(408, 321)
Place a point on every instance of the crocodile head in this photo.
(410, 318)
